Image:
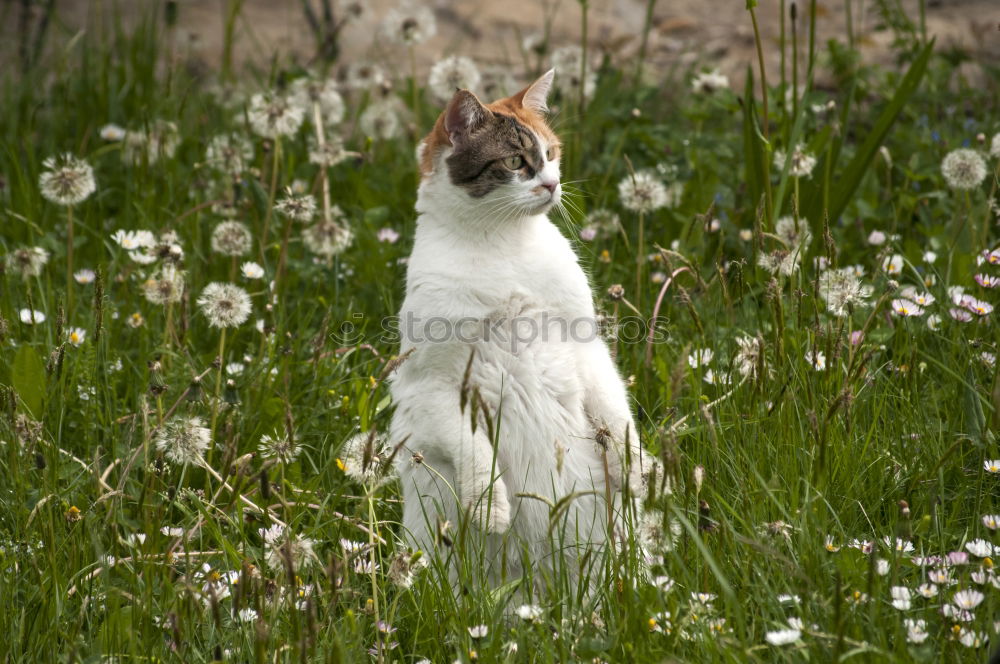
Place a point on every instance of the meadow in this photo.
(198, 277)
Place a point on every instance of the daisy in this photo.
(979, 548)
(876, 238)
(972, 639)
(816, 359)
(84, 276)
(968, 599)
(906, 308)
(927, 590)
(132, 240)
(251, 270)
(67, 180)
(112, 132)
(893, 265)
(529, 612)
(987, 281)
(828, 544)
(991, 521)
(700, 357)
(916, 630)
(388, 235)
(992, 466)
(225, 305)
(31, 316)
(76, 335)
(978, 307)
(900, 597)
(479, 631)
(783, 637)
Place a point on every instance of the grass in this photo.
(888, 440)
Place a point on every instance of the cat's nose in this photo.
(551, 186)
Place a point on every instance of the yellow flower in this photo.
(73, 514)
(340, 465)
(605, 257)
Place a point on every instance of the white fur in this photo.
(500, 258)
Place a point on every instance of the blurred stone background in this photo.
(711, 33)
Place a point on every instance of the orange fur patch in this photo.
(512, 106)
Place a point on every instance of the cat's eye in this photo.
(514, 162)
(551, 153)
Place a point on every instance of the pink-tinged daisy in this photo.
(927, 590)
(961, 315)
(978, 307)
(991, 521)
(979, 548)
(992, 257)
(968, 599)
(940, 576)
(986, 281)
(906, 308)
(956, 558)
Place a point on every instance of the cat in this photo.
(509, 399)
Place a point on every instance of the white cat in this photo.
(509, 400)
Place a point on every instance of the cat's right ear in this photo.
(463, 116)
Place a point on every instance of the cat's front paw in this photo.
(491, 509)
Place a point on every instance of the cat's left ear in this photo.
(535, 96)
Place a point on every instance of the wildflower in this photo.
(183, 440)
(479, 631)
(664, 583)
(231, 238)
(73, 514)
(362, 456)
(783, 637)
(963, 169)
(330, 154)
(383, 120)
(27, 261)
(588, 233)
(405, 566)
(225, 305)
(956, 558)
(603, 221)
(842, 290)
(995, 146)
(829, 545)
(923, 299)
(700, 357)
(978, 307)
(229, 153)
(132, 240)
(906, 308)
(961, 315)
(900, 597)
(455, 72)
(749, 356)
(388, 235)
(67, 180)
(247, 615)
(708, 82)
(971, 639)
(568, 61)
(307, 91)
(327, 238)
(927, 590)
(916, 630)
(876, 238)
(987, 281)
(31, 316)
(112, 132)
(979, 548)
(409, 24)
(149, 145)
(898, 544)
(272, 115)
(881, 566)
(817, 359)
(968, 599)
(136, 320)
(76, 335)
(893, 265)
(166, 287)
(251, 270)
(991, 521)
(84, 276)
(281, 448)
(642, 192)
(802, 162)
(281, 546)
(364, 76)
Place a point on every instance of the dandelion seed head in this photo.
(229, 153)
(327, 239)
(297, 207)
(272, 115)
(963, 169)
(148, 145)
(709, 82)
(644, 192)
(67, 180)
(27, 261)
(183, 440)
(456, 72)
(231, 238)
(225, 305)
(409, 24)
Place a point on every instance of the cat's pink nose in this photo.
(551, 186)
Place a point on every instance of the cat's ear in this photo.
(463, 116)
(536, 95)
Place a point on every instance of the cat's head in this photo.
(498, 160)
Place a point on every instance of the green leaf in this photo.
(28, 377)
(850, 178)
(754, 152)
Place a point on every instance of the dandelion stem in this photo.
(218, 383)
(69, 260)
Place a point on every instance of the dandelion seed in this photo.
(963, 169)
(76, 335)
(327, 238)
(749, 356)
(167, 287)
(272, 115)
(405, 566)
(67, 180)
(158, 141)
(281, 448)
(409, 24)
(31, 316)
(456, 72)
(84, 276)
(27, 262)
(225, 305)
(308, 91)
(229, 153)
(231, 238)
(643, 192)
(251, 270)
(568, 61)
(361, 462)
(842, 290)
(708, 82)
(604, 222)
(183, 440)
(802, 162)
